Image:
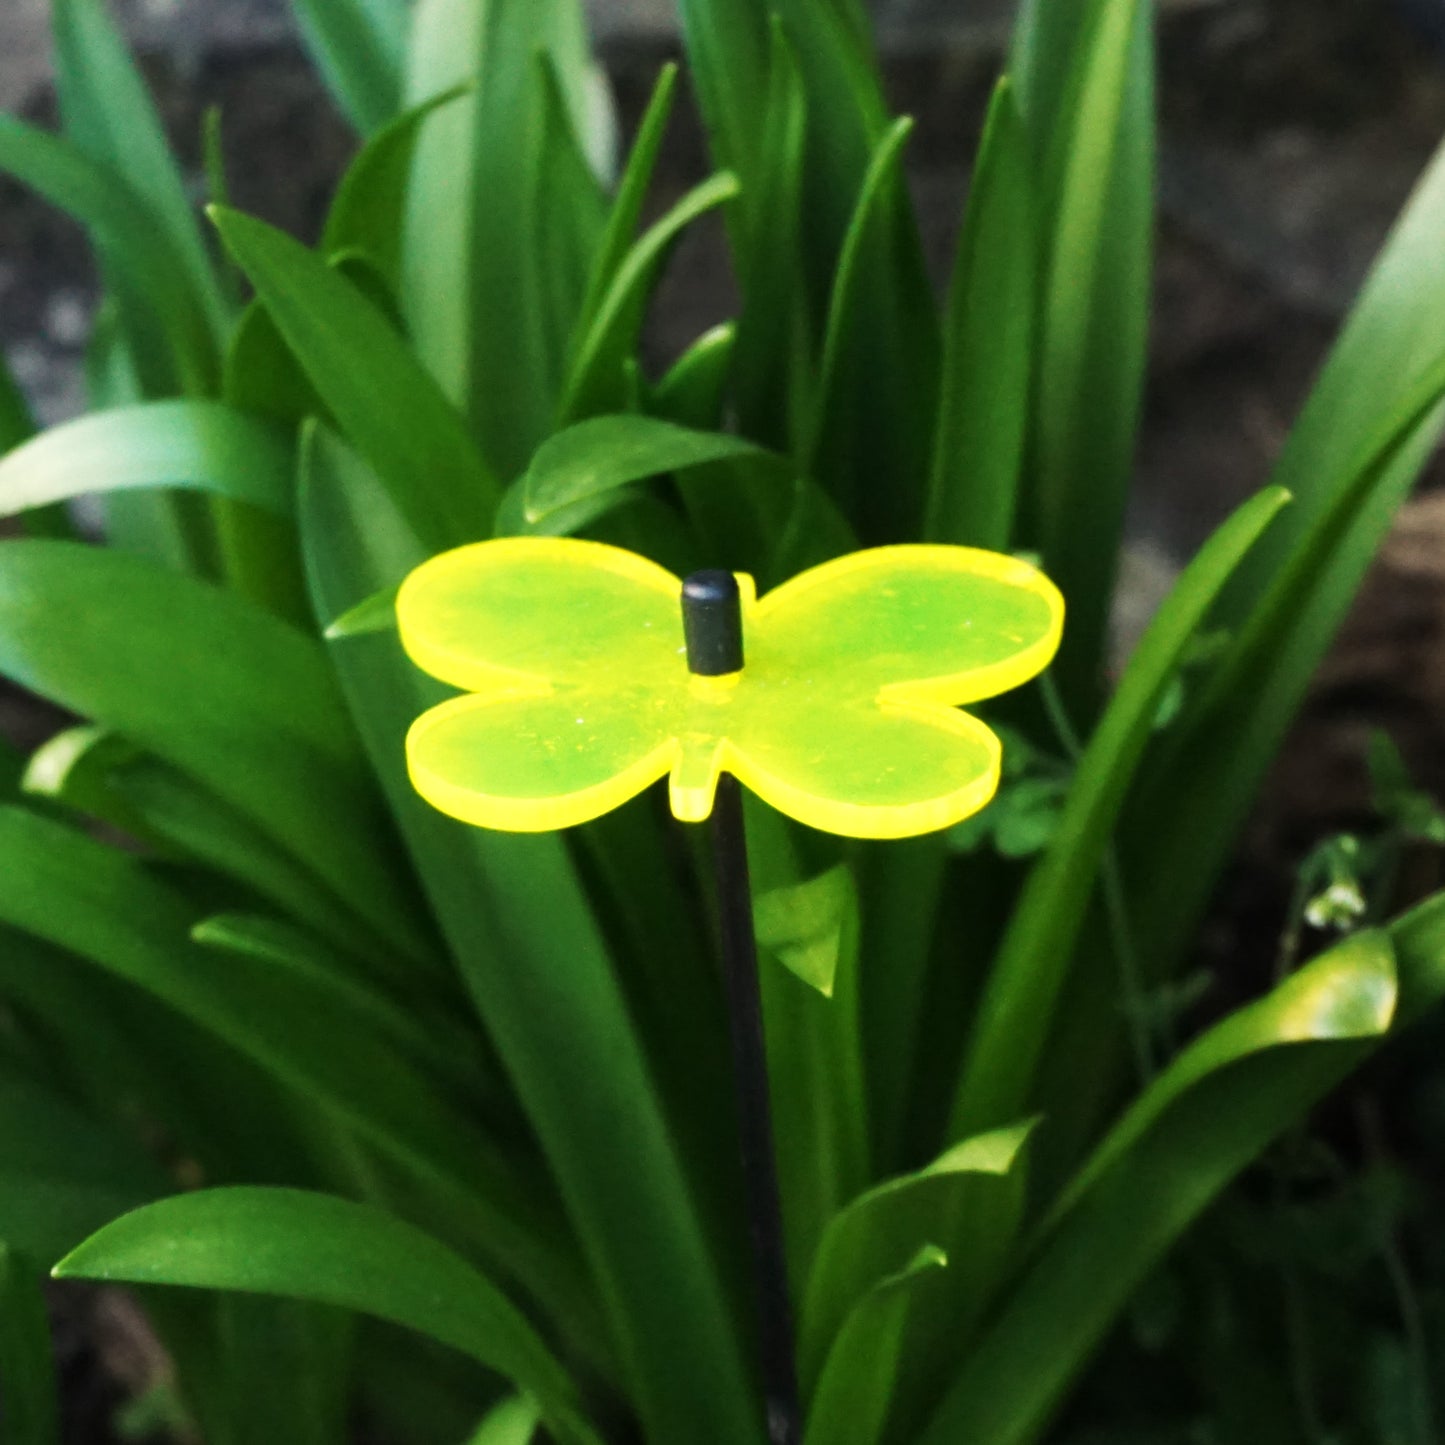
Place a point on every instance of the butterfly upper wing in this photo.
(518, 613)
(845, 718)
(572, 652)
(917, 623)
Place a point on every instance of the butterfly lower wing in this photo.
(864, 768)
(529, 764)
(912, 623)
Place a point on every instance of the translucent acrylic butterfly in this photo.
(844, 715)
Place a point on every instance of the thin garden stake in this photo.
(712, 626)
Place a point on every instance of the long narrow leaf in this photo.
(27, 1365)
(108, 113)
(301, 1027)
(595, 383)
(1088, 101)
(374, 387)
(952, 1201)
(358, 46)
(62, 1173)
(850, 1405)
(868, 442)
(144, 258)
(1390, 342)
(815, 1063)
(196, 444)
(1214, 759)
(433, 1041)
(228, 694)
(988, 345)
(1033, 960)
(594, 457)
(369, 208)
(512, 1423)
(626, 212)
(1235, 1090)
(776, 332)
(474, 267)
(306, 1246)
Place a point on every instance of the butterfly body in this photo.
(844, 715)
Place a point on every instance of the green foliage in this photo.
(476, 1085)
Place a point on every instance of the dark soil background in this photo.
(1293, 131)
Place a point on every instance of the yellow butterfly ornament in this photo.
(840, 710)
(589, 672)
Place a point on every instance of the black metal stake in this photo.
(712, 625)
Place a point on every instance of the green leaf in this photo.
(568, 213)
(775, 334)
(365, 373)
(178, 338)
(872, 419)
(257, 719)
(1086, 90)
(73, 768)
(99, 773)
(511, 519)
(358, 46)
(1032, 962)
(543, 983)
(692, 391)
(376, 613)
(1390, 345)
(847, 120)
(883, 171)
(900, 887)
(197, 444)
(594, 457)
(368, 210)
(988, 345)
(803, 926)
(626, 212)
(27, 1366)
(306, 1246)
(300, 1026)
(16, 423)
(727, 45)
(1349, 992)
(815, 1065)
(1208, 766)
(62, 1173)
(259, 375)
(431, 1041)
(1193, 1130)
(192, 821)
(109, 115)
(955, 1199)
(117, 1052)
(285, 1371)
(850, 1403)
(513, 1422)
(1360, 444)
(475, 273)
(596, 380)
